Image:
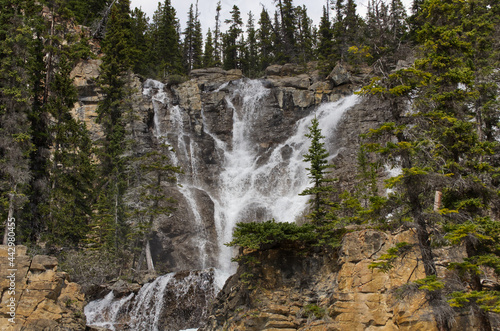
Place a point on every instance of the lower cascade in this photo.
(173, 301)
(255, 182)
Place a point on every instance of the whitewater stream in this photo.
(247, 189)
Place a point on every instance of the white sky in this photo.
(207, 9)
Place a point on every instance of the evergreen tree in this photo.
(251, 67)
(165, 41)
(264, 40)
(208, 54)
(152, 171)
(232, 47)
(117, 62)
(217, 38)
(142, 43)
(15, 140)
(193, 41)
(441, 149)
(305, 40)
(326, 56)
(287, 29)
(69, 208)
(346, 28)
(321, 189)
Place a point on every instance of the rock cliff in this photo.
(291, 288)
(42, 297)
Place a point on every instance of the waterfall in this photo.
(173, 301)
(255, 182)
(251, 191)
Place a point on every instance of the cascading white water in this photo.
(155, 301)
(247, 189)
(160, 99)
(269, 190)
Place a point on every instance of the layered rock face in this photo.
(297, 289)
(44, 299)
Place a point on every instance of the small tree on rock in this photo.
(317, 157)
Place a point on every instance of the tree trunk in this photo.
(475, 284)
(149, 259)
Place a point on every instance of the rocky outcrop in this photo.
(41, 297)
(296, 289)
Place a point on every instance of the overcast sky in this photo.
(207, 9)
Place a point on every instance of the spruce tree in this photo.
(265, 44)
(117, 62)
(441, 146)
(232, 46)
(326, 55)
(165, 41)
(318, 158)
(208, 53)
(15, 139)
(152, 171)
(305, 40)
(218, 38)
(68, 211)
(251, 67)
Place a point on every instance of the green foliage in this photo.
(430, 283)
(270, 233)
(393, 253)
(312, 309)
(487, 300)
(317, 156)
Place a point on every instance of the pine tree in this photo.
(318, 158)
